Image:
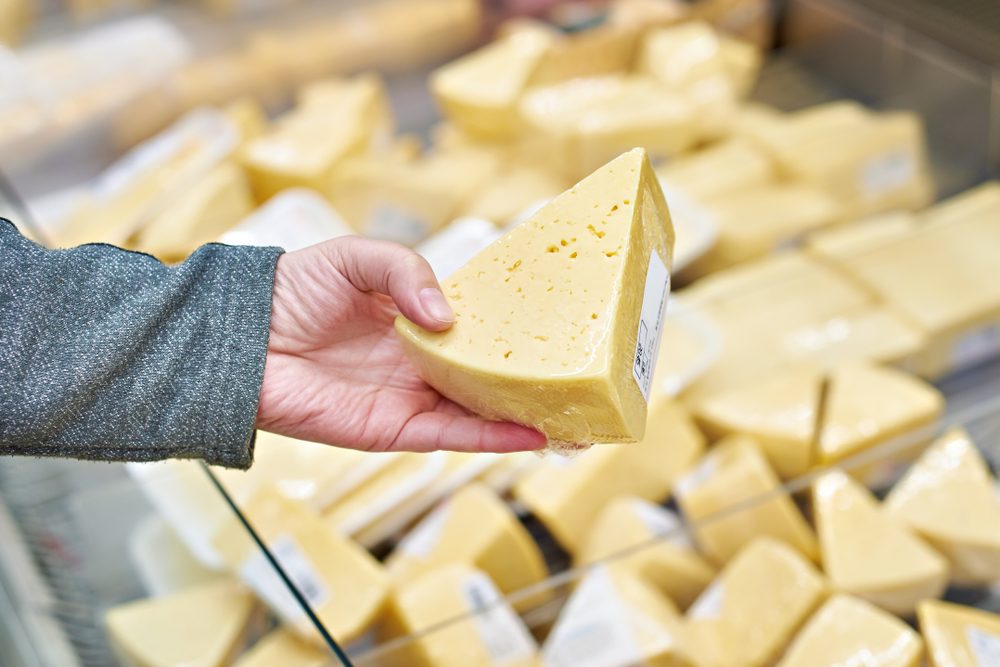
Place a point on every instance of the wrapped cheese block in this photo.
(720, 169)
(959, 636)
(591, 268)
(651, 542)
(568, 493)
(468, 623)
(285, 648)
(203, 625)
(856, 238)
(750, 613)
(869, 553)
(614, 619)
(733, 496)
(949, 498)
(846, 631)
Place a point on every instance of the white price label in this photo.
(654, 307)
(887, 172)
(985, 647)
(260, 575)
(503, 634)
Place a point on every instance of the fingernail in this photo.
(436, 305)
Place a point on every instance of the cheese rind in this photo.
(959, 636)
(521, 348)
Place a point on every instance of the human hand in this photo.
(335, 371)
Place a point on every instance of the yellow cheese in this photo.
(870, 554)
(548, 317)
(867, 405)
(511, 468)
(472, 624)
(342, 583)
(213, 205)
(747, 616)
(733, 496)
(720, 169)
(849, 631)
(479, 92)
(248, 116)
(843, 242)
(959, 636)
(949, 498)
(743, 62)
(780, 413)
(203, 626)
(651, 542)
(781, 135)
(476, 528)
(683, 55)
(284, 648)
(305, 147)
(976, 202)
(756, 221)
(15, 15)
(163, 562)
(515, 189)
(568, 494)
(615, 619)
(691, 344)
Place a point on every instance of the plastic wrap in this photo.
(295, 219)
(558, 323)
(959, 636)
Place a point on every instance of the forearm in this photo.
(111, 355)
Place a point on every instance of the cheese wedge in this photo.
(973, 203)
(479, 92)
(959, 636)
(850, 631)
(248, 116)
(509, 470)
(342, 583)
(691, 344)
(472, 624)
(202, 626)
(780, 413)
(867, 405)
(683, 55)
(282, 647)
(651, 542)
(845, 241)
(747, 616)
(781, 135)
(163, 562)
(606, 48)
(617, 620)
(725, 167)
(581, 268)
(868, 553)
(568, 493)
(476, 528)
(949, 498)
(733, 496)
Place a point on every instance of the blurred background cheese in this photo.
(949, 497)
(163, 561)
(282, 647)
(294, 219)
(848, 240)
(958, 636)
(848, 630)
(722, 168)
(651, 542)
(749, 614)
(733, 496)
(596, 241)
(869, 553)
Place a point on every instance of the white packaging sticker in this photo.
(392, 223)
(420, 541)
(260, 575)
(654, 307)
(985, 647)
(975, 347)
(293, 220)
(502, 632)
(887, 172)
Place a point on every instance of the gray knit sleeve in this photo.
(108, 355)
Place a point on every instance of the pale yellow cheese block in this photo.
(249, 117)
(651, 542)
(474, 527)
(691, 343)
(720, 169)
(548, 317)
(780, 412)
(747, 616)
(479, 92)
(284, 648)
(683, 55)
(959, 636)
(733, 496)
(850, 631)
(614, 618)
(949, 498)
(15, 15)
(869, 553)
(202, 626)
(781, 135)
(569, 493)
(198, 216)
(868, 404)
(976, 202)
(344, 585)
(511, 468)
(849, 240)
(514, 189)
(473, 626)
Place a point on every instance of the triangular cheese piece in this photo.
(868, 553)
(849, 631)
(779, 412)
(283, 648)
(752, 610)
(733, 496)
(868, 404)
(959, 636)
(651, 542)
(202, 626)
(949, 498)
(557, 323)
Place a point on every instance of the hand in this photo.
(335, 371)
